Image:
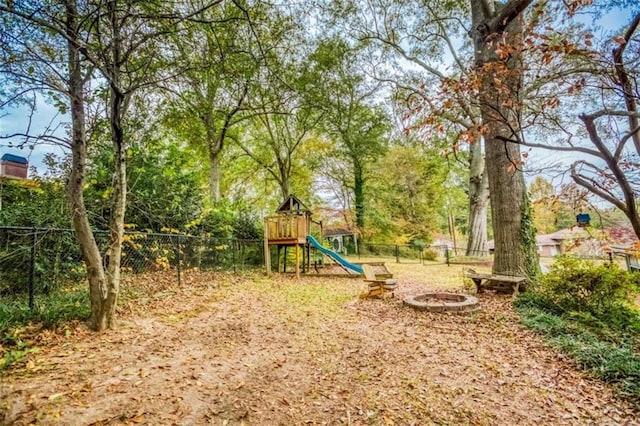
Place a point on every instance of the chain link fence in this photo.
(39, 261)
(399, 253)
(416, 254)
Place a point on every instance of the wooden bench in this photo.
(511, 280)
(377, 287)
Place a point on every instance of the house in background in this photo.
(547, 246)
(13, 166)
(441, 244)
(625, 244)
(630, 253)
(558, 242)
(342, 240)
(562, 241)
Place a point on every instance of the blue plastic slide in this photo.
(335, 256)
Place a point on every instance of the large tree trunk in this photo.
(478, 203)
(214, 146)
(79, 218)
(214, 175)
(500, 79)
(358, 190)
(285, 187)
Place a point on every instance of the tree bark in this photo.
(626, 83)
(117, 106)
(285, 187)
(214, 147)
(478, 202)
(79, 218)
(500, 81)
(214, 175)
(358, 190)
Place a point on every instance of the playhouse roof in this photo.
(14, 159)
(292, 204)
(337, 231)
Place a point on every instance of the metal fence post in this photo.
(234, 244)
(447, 256)
(32, 268)
(397, 254)
(178, 260)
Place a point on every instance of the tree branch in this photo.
(588, 151)
(506, 14)
(624, 81)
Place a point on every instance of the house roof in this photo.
(337, 231)
(545, 240)
(555, 238)
(14, 159)
(567, 234)
(441, 242)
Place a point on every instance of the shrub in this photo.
(586, 311)
(429, 254)
(574, 284)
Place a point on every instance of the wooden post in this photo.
(284, 262)
(297, 261)
(267, 254)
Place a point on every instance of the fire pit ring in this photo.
(454, 303)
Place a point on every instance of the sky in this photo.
(16, 120)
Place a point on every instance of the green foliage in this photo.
(345, 98)
(15, 354)
(165, 177)
(608, 353)
(38, 202)
(406, 193)
(528, 240)
(587, 311)
(574, 284)
(67, 304)
(226, 221)
(430, 255)
(57, 259)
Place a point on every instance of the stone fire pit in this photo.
(443, 302)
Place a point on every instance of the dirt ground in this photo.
(230, 349)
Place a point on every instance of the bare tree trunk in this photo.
(285, 187)
(214, 175)
(358, 189)
(79, 217)
(106, 316)
(478, 203)
(500, 80)
(214, 147)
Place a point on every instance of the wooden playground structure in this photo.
(289, 228)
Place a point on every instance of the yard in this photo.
(244, 349)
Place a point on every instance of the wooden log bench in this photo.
(377, 287)
(511, 280)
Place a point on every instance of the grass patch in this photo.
(50, 311)
(325, 298)
(608, 351)
(587, 310)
